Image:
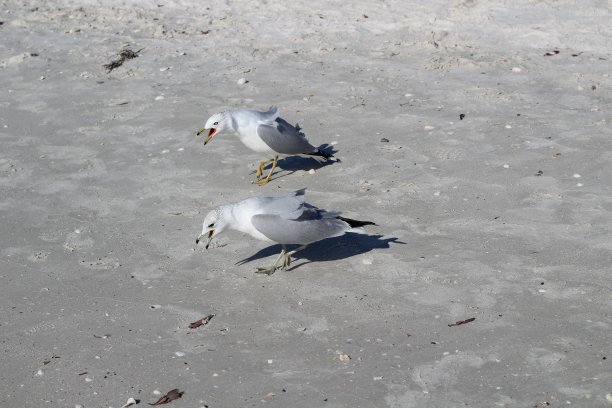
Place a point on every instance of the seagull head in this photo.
(215, 124)
(213, 225)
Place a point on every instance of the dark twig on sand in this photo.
(460, 322)
(126, 54)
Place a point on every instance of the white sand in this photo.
(104, 187)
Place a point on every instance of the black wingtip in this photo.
(356, 223)
(322, 153)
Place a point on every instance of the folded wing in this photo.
(305, 230)
(284, 138)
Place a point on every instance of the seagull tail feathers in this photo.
(322, 153)
(355, 223)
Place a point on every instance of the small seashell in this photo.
(241, 81)
(344, 357)
(159, 97)
(131, 401)
(311, 171)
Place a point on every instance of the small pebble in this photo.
(609, 398)
(39, 373)
(165, 151)
(506, 166)
(508, 127)
(179, 354)
(377, 378)
(164, 69)
(542, 290)
(367, 261)
(579, 184)
(576, 176)
(180, 149)
(334, 143)
(159, 98)
(516, 69)
(78, 406)
(311, 171)
(437, 193)
(241, 81)
(344, 357)
(87, 379)
(428, 127)
(42, 77)
(157, 392)
(270, 361)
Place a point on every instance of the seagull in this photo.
(284, 219)
(262, 132)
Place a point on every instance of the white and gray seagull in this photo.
(285, 219)
(262, 132)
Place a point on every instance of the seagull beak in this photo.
(210, 237)
(211, 133)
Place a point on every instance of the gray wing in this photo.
(285, 231)
(284, 138)
(287, 206)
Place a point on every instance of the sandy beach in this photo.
(476, 134)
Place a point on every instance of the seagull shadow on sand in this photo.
(291, 164)
(330, 249)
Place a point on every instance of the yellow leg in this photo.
(284, 256)
(263, 181)
(261, 166)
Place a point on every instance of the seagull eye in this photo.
(211, 225)
(216, 123)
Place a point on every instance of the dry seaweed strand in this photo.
(124, 55)
(460, 322)
(202, 322)
(170, 396)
